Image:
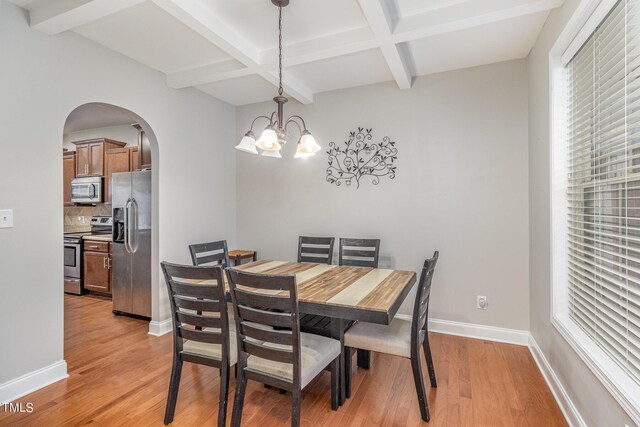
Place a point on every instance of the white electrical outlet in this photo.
(481, 302)
(6, 218)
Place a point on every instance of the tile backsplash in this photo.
(77, 218)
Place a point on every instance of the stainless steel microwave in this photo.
(87, 190)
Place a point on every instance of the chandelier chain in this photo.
(280, 48)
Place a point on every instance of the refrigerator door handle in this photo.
(127, 231)
(133, 226)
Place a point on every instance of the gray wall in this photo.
(593, 401)
(461, 186)
(42, 79)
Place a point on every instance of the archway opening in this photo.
(110, 158)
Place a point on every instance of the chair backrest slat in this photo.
(203, 321)
(197, 302)
(199, 336)
(258, 310)
(278, 320)
(212, 253)
(421, 307)
(268, 335)
(359, 252)
(269, 353)
(255, 299)
(315, 249)
(194, 290)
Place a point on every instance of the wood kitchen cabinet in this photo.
(134, 164)
(90, 156)
(97, 267)
(69, 172)
(116, 160)
(144, 149)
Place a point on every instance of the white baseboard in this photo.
(569, 410)
(470, 330)
(18, 387)
(158, 329)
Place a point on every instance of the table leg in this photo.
(255, 256)
(337, 332)
(364, 358)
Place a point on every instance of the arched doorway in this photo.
(125, 144)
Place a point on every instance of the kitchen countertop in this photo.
(77, 229)
(99, 237)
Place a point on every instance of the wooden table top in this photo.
(241, 253)
(354, 293)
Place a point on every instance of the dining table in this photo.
(343, 294)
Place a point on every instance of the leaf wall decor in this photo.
(359, 158)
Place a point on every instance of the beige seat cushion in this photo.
(213, 350)
(390, 339)
(316, 353)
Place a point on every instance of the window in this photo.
(603, 187)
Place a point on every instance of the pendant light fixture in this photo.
(275, 135)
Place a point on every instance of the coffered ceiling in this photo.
(228, 48)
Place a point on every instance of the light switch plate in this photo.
(6, 218)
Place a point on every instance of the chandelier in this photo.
(275, 135)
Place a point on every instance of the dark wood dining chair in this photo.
(315, 249)
(211, 253)
(359, 252)
(401, 338)
(201, 332)
(282, 358)
(318, 250)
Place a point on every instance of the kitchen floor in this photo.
(119, 375)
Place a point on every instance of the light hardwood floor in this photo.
(118, 375)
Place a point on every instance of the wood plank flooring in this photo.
(118, 375)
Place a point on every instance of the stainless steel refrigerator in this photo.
(131, 248)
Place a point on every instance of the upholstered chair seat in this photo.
(316, 353)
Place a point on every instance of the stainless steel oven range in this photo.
(73, 262)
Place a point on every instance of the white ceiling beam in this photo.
(57, 16)
(380, 18)
(466, 15)
(201, 19)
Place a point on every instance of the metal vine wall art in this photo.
(360, 158)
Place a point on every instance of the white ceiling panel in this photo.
(241, 91)
(257, 20)
(478, 45)
(413, 7)
(357, 69)
(149, 35)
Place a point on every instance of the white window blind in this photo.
(603, 194)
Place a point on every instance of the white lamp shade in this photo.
(308, 143)
(272, 153)
(268, 140)
(247, 144)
